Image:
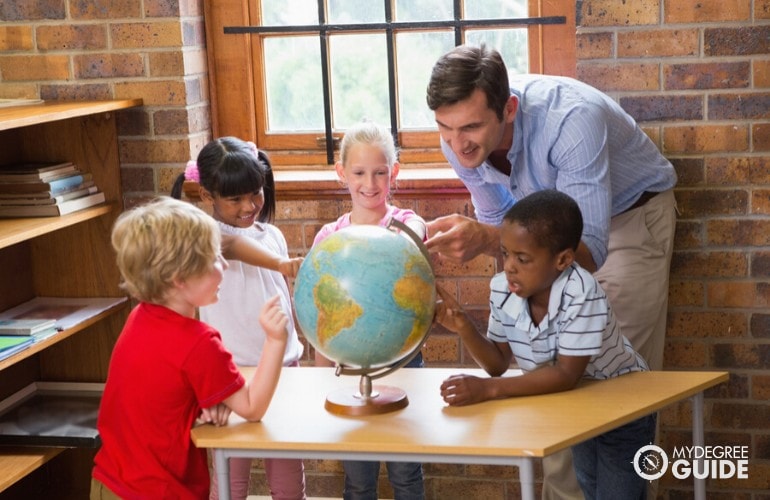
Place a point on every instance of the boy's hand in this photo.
(274, 320)
(216, 415)
(461, 390)
(290, 267)
(449, 314)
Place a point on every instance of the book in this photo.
(63, 208)
(41, 195)
(56, 186)
(11, 344)
(67, 311)
(48, 200)
(30, 172)
(26, 326)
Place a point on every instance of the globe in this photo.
(365, 297)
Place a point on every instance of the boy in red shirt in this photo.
(167, 368)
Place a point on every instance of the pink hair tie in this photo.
(253, 149)
(191, 171)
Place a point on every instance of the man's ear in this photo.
(511, 105)
(564, 259)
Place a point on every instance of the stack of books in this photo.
(45, 190)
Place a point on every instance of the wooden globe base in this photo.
(349, 402)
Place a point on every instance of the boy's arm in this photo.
(246, 250)
(493, 357)
(461, 390)
(252, 400)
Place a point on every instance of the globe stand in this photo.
(377, 399)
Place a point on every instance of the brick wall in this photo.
(694, 73)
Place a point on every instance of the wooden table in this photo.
(514, 431)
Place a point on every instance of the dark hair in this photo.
(228, 167)
(464, 69)
(551, 217)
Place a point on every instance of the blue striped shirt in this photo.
(579, 322)
(571, 137)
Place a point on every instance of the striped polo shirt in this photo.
(580, 322)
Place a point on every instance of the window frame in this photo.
(236, 83)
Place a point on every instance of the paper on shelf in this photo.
(67, 311)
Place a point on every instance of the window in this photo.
(315, 67)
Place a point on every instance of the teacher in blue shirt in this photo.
(508, 138)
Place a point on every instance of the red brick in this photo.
(153, 92)
(760, 201)
(760, 387)
(32, 11)
(108, 65)
(706, 324)
(760, 136)
(761, 72)
(167, 63)
(133, 122)
(146, 35)
(722, 171)
(737, 41)
(739, 106)
(71, 37)
(737, 294)
(663, 107)
(15, 38)
(761, 9)
(690, 171)
(702, 202)
(742, 356)
(658, 43)
(685, 354)
(760, 264)
(738, 232)
(161, 8)
(138, 178)
(689, 235)
(105, 9)
(760, 326)
(705, 11)
(685, 293)
(78, 91)
(594, 45)
(34, 67)
(728, 75)
(155, 151)
(620, 76)
(709, 264)
(614, 13)
(705, 138)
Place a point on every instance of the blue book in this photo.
(54, 187)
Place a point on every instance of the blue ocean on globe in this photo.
(365, 296)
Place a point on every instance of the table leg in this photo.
(223, 474)
(698, 440)
(527, 478)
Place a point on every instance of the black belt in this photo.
(644, 198)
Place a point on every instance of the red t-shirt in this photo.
(165, 367)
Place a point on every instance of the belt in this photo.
(644, 198)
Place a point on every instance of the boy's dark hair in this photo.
(551, 217)
(464, 69)
(228, 167)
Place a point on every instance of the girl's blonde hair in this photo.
(366, 132)
(160, 242)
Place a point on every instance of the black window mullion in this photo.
(326, 79)
(458, 11)
(390, 40)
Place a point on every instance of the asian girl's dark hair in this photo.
(227, 167)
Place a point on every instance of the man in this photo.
(508, 139)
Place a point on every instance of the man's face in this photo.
(472, 130)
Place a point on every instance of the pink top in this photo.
(400, 214)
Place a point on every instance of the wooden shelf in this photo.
(67, 256)
(16, 462)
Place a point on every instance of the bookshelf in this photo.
(67, 256)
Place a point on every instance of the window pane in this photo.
(495, 9)
(293, 81)
(416, 53)
(423, 10)
(511, 43)
(288, 12)
(359, 79)
(356, 11)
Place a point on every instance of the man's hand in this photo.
(459, 238)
